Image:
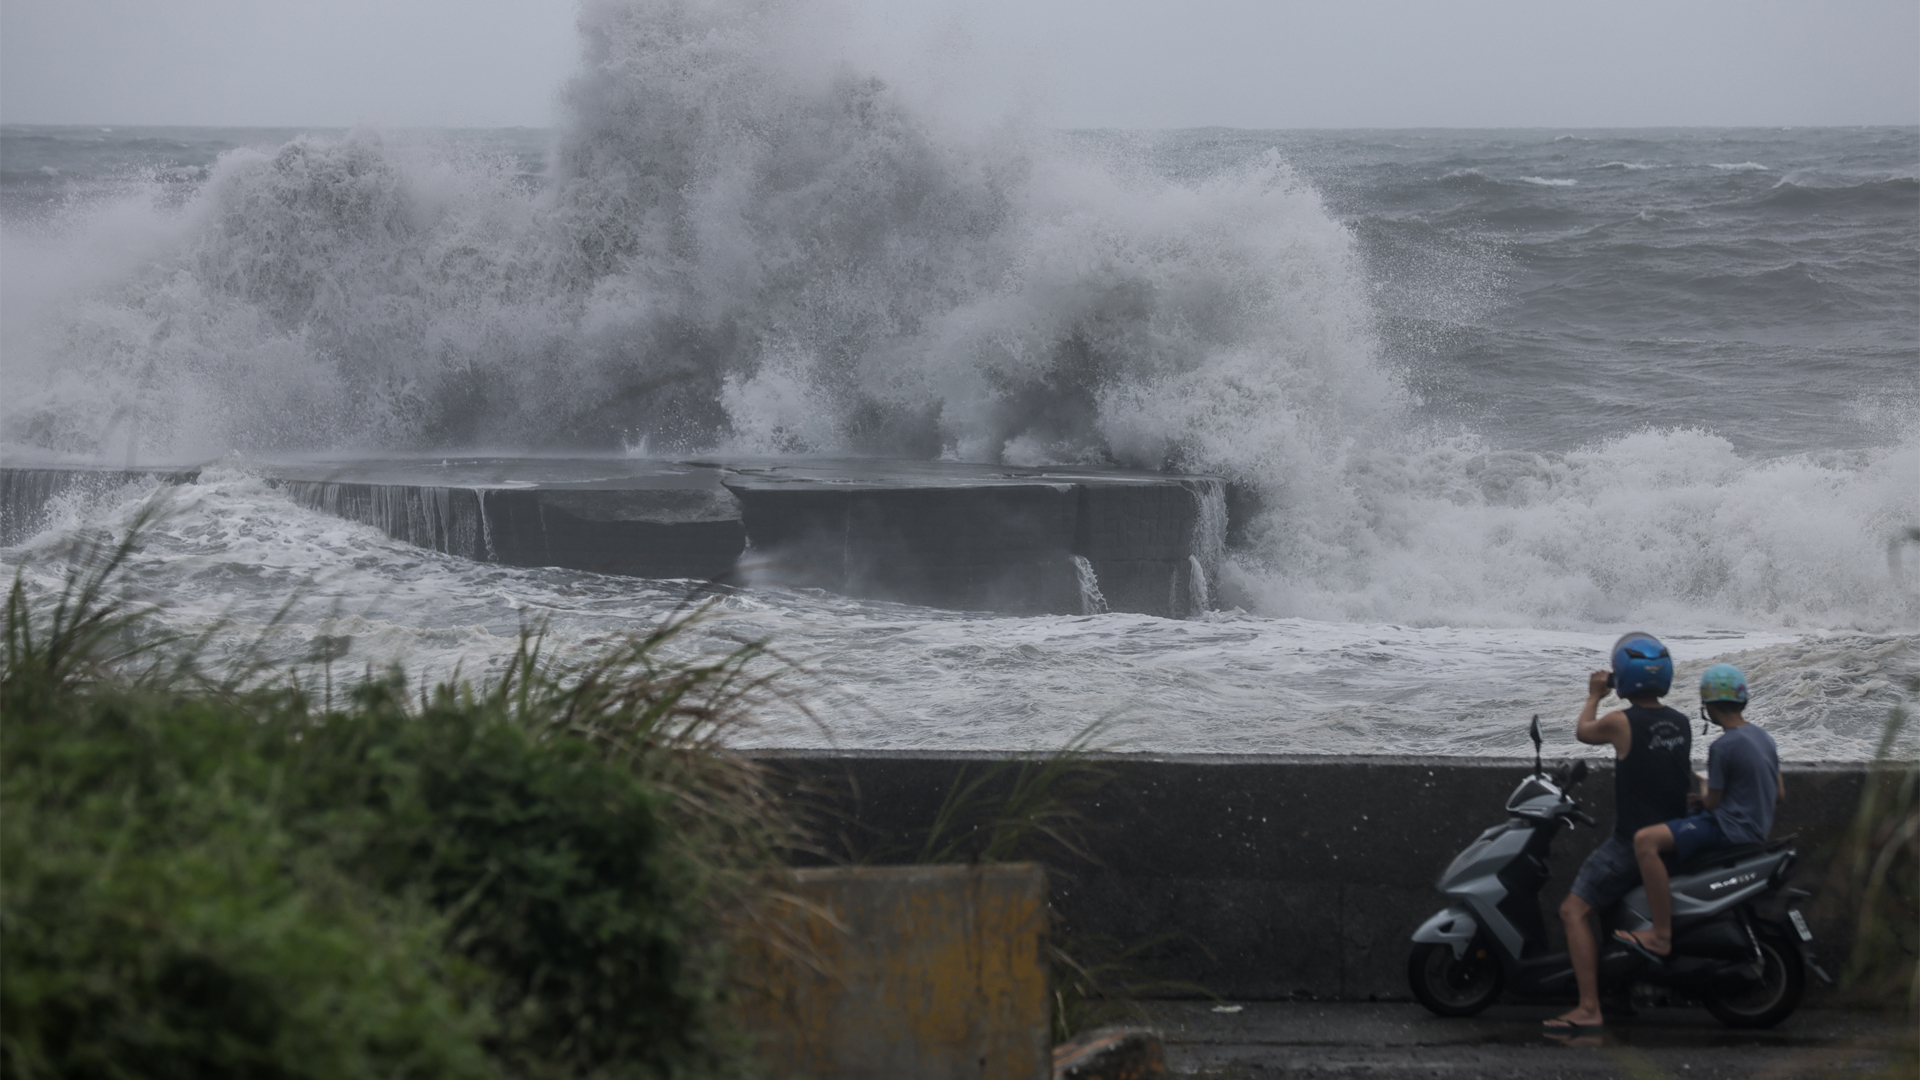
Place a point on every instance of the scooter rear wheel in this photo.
(1773, 997)
(1450, 986)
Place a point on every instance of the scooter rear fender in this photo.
(1453, 926)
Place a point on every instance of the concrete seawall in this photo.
(944, 534)
(1262, 877)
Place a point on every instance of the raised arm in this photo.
(1611, 729)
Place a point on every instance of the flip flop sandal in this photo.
(1634, 944)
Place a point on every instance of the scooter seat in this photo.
(1727, 856)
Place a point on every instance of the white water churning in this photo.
(1209, 543)
(1091, 600)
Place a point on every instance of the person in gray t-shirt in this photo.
(1742, 785)
(1743, 782)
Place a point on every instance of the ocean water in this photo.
(1501, 395)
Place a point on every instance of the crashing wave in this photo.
(739, 249)
(734, 251)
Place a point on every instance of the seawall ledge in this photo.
(1267, 876)
(1004, 539)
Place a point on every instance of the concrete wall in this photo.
(1267, 877)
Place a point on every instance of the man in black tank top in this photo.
(1653, 770)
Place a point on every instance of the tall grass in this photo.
(1877, 879)
(1033, 808)
(534, 876)
(1017, 808)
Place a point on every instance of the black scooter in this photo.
(1738, 944)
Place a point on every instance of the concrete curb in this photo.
(871, 973)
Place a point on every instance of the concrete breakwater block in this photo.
(644, 519)
(932, 972)
(942, 534)
(27, 494)
(945, 534)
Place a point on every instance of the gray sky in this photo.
(1074, 63)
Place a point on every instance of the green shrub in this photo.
(550, 863)
(162, 916)
(528, 878)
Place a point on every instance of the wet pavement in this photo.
(1258, 1040)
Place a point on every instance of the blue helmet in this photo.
(1723, 683)
(1641, 665)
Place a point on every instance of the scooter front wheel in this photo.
(1454, 986)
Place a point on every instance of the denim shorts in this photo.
(1695, 833)
(1608, 874)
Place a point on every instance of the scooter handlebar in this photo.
(1584, 818)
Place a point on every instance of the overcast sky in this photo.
(1075, 63)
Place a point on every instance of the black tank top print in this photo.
(1650, 784)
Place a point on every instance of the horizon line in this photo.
(114, 126)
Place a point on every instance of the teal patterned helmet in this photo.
(1723, 682)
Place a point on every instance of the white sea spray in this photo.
(738, 247)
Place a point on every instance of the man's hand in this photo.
(1599, 684)
(1610, 729)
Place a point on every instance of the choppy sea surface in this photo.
(1503, 395)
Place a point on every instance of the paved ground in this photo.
(1261, 1040)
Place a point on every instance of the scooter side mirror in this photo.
(1533, 731)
